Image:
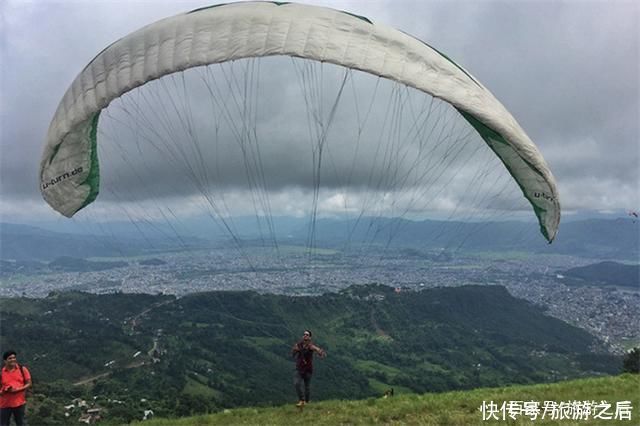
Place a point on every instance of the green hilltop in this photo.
(449, 408)
(207, 352)
(604, 274)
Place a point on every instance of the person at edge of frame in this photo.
(15, 379)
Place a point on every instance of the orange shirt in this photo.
(13, 378)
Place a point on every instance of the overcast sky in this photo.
(567, 71)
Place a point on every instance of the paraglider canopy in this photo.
(69, 171)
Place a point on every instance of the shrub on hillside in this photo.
(631, 361)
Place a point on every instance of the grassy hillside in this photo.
(451, 408)
(213, 351)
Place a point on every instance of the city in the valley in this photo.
(608, 312)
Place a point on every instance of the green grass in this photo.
(451, 408)
(381, 387)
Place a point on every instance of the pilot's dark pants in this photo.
(302, 379)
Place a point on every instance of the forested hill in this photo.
(604, 273)
(209, 351)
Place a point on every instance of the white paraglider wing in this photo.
(69, 170)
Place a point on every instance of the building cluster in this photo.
(609, 313)
(92, 412)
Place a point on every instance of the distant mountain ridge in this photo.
(26, 242)
(590, 238)
(617, 239)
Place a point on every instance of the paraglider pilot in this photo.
(303, 354)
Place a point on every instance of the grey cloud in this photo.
(570, 74)
(568, 71)
(367, 147)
